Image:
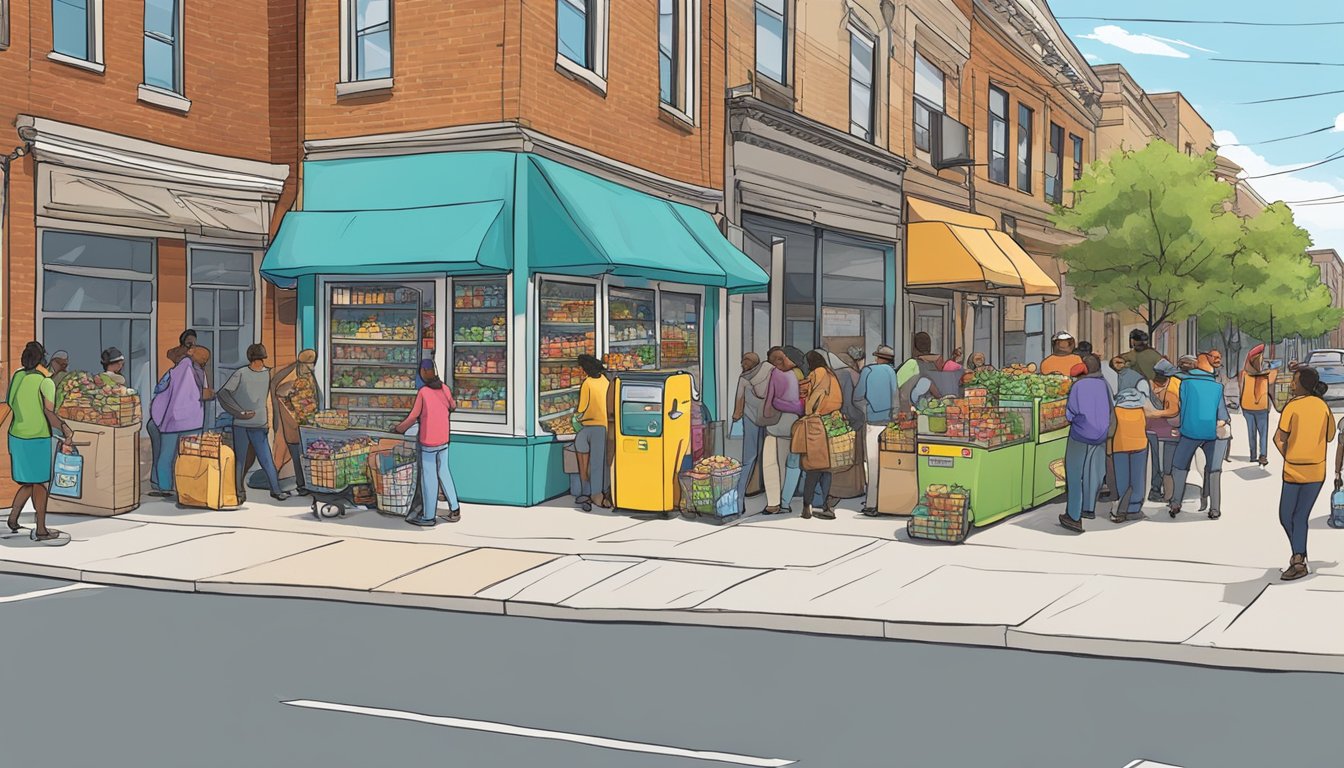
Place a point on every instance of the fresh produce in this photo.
(1053, 415)
(568, 311)
(567, 346)
(478, 297)
(632, 359)
(710, 487)
(899, 436)
(836, 424)
(628, 309)
(371, 378)
(1019, 383)
(342, 351)
(84, 398)
(471, 361)
(717, 464)
(558, 427)
(943, 514)
(331, 419)
(382, 326)
(483, 397)
(480, 331)
(302, 399)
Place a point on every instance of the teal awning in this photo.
(456, 212)
(460, 239)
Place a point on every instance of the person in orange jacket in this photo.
(1257, 384)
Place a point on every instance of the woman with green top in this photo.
(32, 410)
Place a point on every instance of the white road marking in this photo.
(536, 733)
(1149, 764)
(48, 592)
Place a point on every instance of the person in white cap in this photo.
(1062, 358)
(878, 390)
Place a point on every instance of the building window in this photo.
(371, 40)
(1054, 165)
(678, 47)
(928, 101)
(998, 136)
(4, 24)
(574, 31)
(98, 292)
(861, 67)
(772, 39)
(223, 310)
(1077, 156)
(76, 29)
(1189, 148)
(163, 49)
(1024, 118)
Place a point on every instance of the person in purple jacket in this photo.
(1089, 413)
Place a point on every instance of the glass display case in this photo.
(566, 328)
(632, 340)
(971, 421)
(1053, 415)
(679, 333)
(378, 334)
(480, 345)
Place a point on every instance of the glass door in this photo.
(632, 339)
(480, 346)
(931, 317)
(223, 313)
(679, 333)
(566, 328)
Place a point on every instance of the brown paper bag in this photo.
(206, 482)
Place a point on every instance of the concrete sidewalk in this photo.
(1189, 590)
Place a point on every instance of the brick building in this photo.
(150, 149)
(516, 183)
(1332, 275)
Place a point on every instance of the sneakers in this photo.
(281, 496)
(453, 515)
(1174, 510)
(1118, 517)
(421, 523)
(1214, 514)
(825, 513)
(1156, 496)
(1071, 524)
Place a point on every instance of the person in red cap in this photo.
(1257, 382)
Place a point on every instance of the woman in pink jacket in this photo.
(433, 404)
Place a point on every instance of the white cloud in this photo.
(1339, 122)
(1092, 57)
(1144, 45)
(1324, 222)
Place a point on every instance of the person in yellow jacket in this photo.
(590, 441)
(1305, 427)
(1129, 449)
(1257, 386)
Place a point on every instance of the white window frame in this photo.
(594, 75)
(859, 34)
(686, 58)
(786, 45)
(161, 97)
(922, 102)
(95, 62)
(348, 84)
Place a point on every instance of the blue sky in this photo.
(1179, 57)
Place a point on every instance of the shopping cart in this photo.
(394, 481)
(342, 480)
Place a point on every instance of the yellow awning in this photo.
(947, 248)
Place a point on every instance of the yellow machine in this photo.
(653, 438)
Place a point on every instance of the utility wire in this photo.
(1209, 21)
(1290, 98)
(1332, 158)
(1314, 200)
(1281, 138)
(1284, 63)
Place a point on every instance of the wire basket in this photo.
(842, 450)
(710, 493)
(394, 478)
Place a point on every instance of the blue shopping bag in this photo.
(68, 478)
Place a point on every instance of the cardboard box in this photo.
(110, 484)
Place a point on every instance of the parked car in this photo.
(1330, 364)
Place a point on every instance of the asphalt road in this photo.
(120, 677)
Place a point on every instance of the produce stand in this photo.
(971, 443)
(106, 420)
(336, 466)
(897, 478)
(1047, 397)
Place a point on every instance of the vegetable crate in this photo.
(944, 514)
(394, 480)
(711, 494)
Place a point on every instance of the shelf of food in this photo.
(376, 342)
(350, 353)
(374, 390)
(398, 307)
(461, 375)
(649, 342)
(479, 295)
(374, 364)
(974, 421)
(565, 391)
(375, 296)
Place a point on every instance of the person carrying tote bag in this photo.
(824, 397)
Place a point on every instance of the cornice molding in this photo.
(809, 133)
(1051, 49)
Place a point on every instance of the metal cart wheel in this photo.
(1335, 522)
(332, 509)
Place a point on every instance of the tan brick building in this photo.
(149, 155)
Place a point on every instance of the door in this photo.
(930, 316)
(223, 312)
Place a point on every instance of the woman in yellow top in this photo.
(590, 441)
(1257, 384)
(823, 398)
(1129, 447)
(1305, 427)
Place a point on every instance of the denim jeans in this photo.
(167, 457)
(1257, 426)
(593, 441)
(1295, 503)
(259, 440)
(434, 475)
(1185, 454)
(1129, 469)
(1084, 465)
(753, 441)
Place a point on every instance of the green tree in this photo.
(1159, 237)
(1270, 277)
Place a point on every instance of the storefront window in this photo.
(679, 333)
(480, 359)
(632, 340)
(567, 328)
(852, 293)
(98, 292)
(378, 332)
(983, 341)
(800, 275)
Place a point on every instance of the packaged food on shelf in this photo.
(374, 354)
(567, 346)
(374, 420)
(481, 329)
(372, 378)
(984, 425)
(403, 403)
(482, 397)
(379, 295)
(1054, 415)
(569, 311)
(468, 296)
(632, 359)
(87, 399)
(558, 427)
(382, 326)
(556, 376)
(566, 401)
(469, 361)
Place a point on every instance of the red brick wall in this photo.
(480, 61)
(171, 298)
